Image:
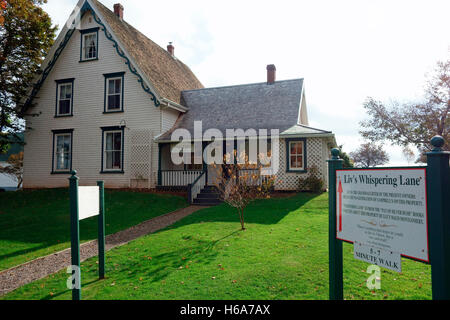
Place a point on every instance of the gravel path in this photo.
(16, 277)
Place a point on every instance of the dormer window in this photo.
(89, 44)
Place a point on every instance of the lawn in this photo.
(36, 223)
(282, 255)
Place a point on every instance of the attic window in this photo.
(89, 44)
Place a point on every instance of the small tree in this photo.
(348, 163)
(369, 155)
(14, 168)
(241, 184)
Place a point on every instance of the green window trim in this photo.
(55, 134)
(288, 155)
(104, 131)
(82, 34)
(109, 76)
(58, 84)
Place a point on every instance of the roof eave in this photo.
(173, 105)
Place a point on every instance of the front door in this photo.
(212, 175)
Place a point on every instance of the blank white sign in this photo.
(88, 202)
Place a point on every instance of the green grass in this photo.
(36, 223)
(282, 255)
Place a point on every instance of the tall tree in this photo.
(26, 35)
(413, 123)
(369, 155)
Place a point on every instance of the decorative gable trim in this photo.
(127, 60)
(87, 7)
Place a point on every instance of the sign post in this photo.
(335, 245)
(101, 231)
(387, 213)
(75, 236)
(85, 202)
(439, 196)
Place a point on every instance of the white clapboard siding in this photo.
(88, 105)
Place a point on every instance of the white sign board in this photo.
(384, 208)
(386, 259)
(88, 202)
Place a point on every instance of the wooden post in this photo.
(101, 231)
(334, 245)
(438, 190)
(75, 236)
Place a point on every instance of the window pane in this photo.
(113, 102)
(110, 86)
(294, 162)
(118, 85)
(117, 159)
(62, 91)
(68, 93)
(300, 162)
(64, 107)
(109, 141)
(117, 141)
(59, 143)
(109, 160)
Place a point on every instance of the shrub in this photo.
(312, 182)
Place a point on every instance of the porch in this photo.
(197, 179)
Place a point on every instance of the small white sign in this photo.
(88, 202)
(384, 208)
(386, 259)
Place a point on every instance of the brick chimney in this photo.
(118, 10)
(271, 74)
(171, 49)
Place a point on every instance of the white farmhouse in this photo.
(109, 98)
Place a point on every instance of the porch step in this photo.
(209, 196)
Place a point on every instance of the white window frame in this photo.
(296, 155)
(108, 94)
(105, 134)
(60, 85)
(69, 152)
(85, 52)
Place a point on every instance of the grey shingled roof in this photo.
(257, 106)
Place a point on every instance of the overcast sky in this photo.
(345, 50)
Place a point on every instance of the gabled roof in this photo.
(252, 106)
(153, 65)
(168, 75)
(300, 129)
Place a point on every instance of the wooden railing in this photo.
(196, 187)
(178, 178)
(254, 177)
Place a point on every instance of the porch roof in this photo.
(252, 106)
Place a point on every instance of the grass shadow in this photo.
(32, 221)
(265, 212)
